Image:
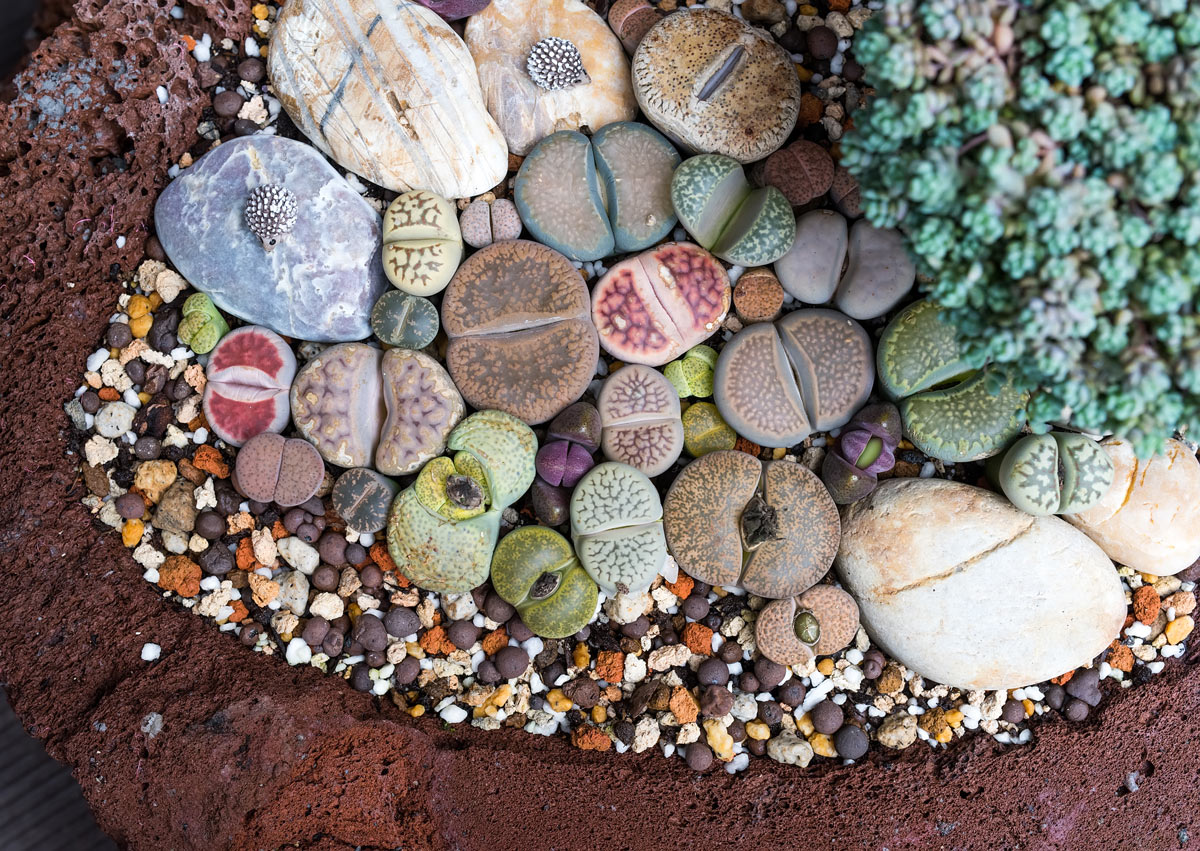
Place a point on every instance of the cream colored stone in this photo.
(388, 90)
(966, 590)
(500, 38)
(1150, 518)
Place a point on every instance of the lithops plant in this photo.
(535, 570)
(705, 431)
(810, 371)
(443, 529)
(587, 198)
(422, 245)
(692, 374)
(249, 373)
(360, 406)
(865, 448)
(521, 339)
(713, 83)
(573, 435)
(563, 463)
(951, 408)
(758, 296)
(404, 321)
(483, 222)
(362, 498)
(878, 272)
(202, 325)
(802, 171)
(795, 630)
(631, 20)
(725, 214)
(654, 306)
(274, 468)
(616, 523)
(639, 412)
(770, 528)
(1056, 473)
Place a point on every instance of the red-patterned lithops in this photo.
(249, 373)
(653, 307)
(274, 468)
(639, 410)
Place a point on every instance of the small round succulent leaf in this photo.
(965, 422)
(578, 422)
(705, 430)
(1029, 475)
(846, 482)
(1088, 472)
(611, 496)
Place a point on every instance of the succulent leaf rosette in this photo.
(1043, 158)
(443, 529)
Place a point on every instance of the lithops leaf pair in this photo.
(403, 320)
(724, 213)
(521, 339)
(770, 528)
(692, 374)
(249, 374)
(274, 468)
(360, 406)
(483, 222)
(865, 449)
(362, 498)
(616, 523)
(639, 412)
(878, 275)
(573, 435)
(422, 245)
(705, 431)
(810, 371)
(1056, 473)
(443, 529)
(535, 570)
(819, 622)
(202, 325)
(587, 198)
(653, 307)
(952, 410)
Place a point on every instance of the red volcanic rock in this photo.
(253, 754)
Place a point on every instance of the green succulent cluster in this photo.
(1043, 158)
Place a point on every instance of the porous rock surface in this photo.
(255, 755)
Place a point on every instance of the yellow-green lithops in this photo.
(535, 570)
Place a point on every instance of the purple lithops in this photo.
(454, 10)
(572, 436)
(867, 448)
(563, 463)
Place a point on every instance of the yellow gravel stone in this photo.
(138, 306)
(140, 327)
(599, 714)
(1179, 629)
(825, 666)
(260, 11)
(719, 739)
(803, 73)
(806, 10)
(131, 532)
(155, 301)
(822, 745)
(805, 725)
(417, 711)
(954, 718)
(580, 656)
(758, 730)
(558, 701)
(945, 735)
(1030, 708)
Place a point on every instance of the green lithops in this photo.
(1058, 473)
(404, 320)
(202, 325)
(705, 431)
(692, 374)
(535, 570)
(725, 214)
(616, 522)
(952, 409)
(443, 529)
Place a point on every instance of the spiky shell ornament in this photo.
(271, 214)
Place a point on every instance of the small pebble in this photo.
(150, 651)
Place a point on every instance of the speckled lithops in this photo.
(587, 198)
(819, 622)
(521, 339)
(616, 523)
(273, 468)
(1057, 473)
(443, 529)
(202, 325)
(404, 320)
(725, 214)
(732, 520)
(705, 431)
(535, 570)
(653, 307)
(713, 83)
(483, 222)
(810, 371)
(639, 411)
(362, 498)
(692, 374)
(422, 245)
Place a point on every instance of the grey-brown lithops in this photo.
(770, 528)
(819, 622)
(484, 222)
(715, 84)
(521, 337)
(362, 497)
(640, 414)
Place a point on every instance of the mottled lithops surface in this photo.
(558, 196)
(202, 325)
(483, 222)
(810, 371)
(318, 282)
(521, 339)
(390, 92)
(273, 468)
(802, 171)
(501, 37)
(821, 621)
(337, 403)
(635, 163)
(812, 267)
(969, 421)
(1055, 473)
(714, 83)
(731, 520)
(879, 274)
(639, 410)
(362, 498)
(249, 375)
(717, 205)
(705, 430)
(422, 405)
(403, 320)
(653, 307)
(422, 244)
(616, 522)
(918, 350)
(535, 570)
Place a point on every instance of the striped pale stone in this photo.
(387, 89)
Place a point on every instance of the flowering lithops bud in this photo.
(867, 452)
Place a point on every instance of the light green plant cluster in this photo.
(1043, 158)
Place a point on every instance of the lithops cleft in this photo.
(422, 245)
(810, 371)
(692, 375)
(403, 320)
(573, 435)
(819, 622)
(1056, 473)
(535, 570)
(770, 528)
(362, 498)
(639, 411)
(274, 468)
(616, 523)
(249, 373)
(443, 529)
(653, 307)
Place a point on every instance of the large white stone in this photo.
(965, 589)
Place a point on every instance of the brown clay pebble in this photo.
(757, 747)
(210, 525)
(1013, 711)
(136, 370)
(583, 692)
(487, 673)
(355, 554)
(1055, 695)
(511, 662)
(371, 576)
(401, 622)
(89, 400)
(131, 506)
(637, 628)
(822, 43)
(245, 127)
(497, 608)
(315, 631)
(758, 296)
(325, 578)
(376, 658)
(147, 448)
(770, 674)
(360, 677)
(699, 756)
(792, 692)
(873, 662)
(851, 742)
(249, 634)
(333, 644)
(407, 670)
(748, 682)
(1076, 710)
(730, 652)
(852, 71)
(216, 560)
(695, 607)
(332, 548)
(369, 632)
(517, 630)
(737, 730)
(827, 717)
(154, 249)
(227, 103)
(712, 672)
(462, 634)
(118, 336)
(770, 713)
(252, 70)
(716, 701)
